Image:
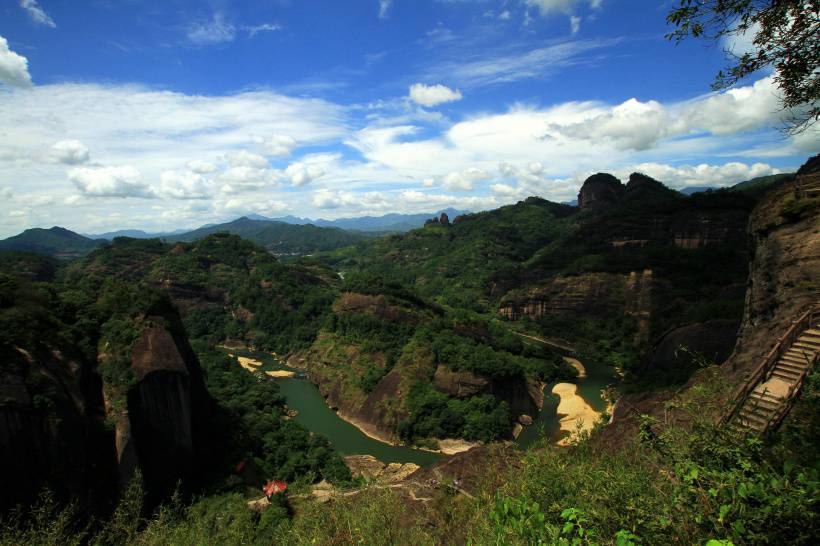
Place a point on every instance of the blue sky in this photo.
(159, 115)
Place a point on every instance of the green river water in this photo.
(316, 416)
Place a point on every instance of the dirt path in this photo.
(557, 344)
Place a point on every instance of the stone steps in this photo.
(764, 403)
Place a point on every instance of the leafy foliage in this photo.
(785, 36)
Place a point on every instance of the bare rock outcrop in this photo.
(598, 191)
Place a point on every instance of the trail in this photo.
(564, 346)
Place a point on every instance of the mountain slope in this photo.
(278, 237)
(56, 241)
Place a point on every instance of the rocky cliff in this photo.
(67, 427)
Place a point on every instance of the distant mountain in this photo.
(386, 223)
(691, 190)
(279, 237)
(58, 242)
(136, 234)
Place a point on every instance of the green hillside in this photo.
(57, 242)
(278, 237)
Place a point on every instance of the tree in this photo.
(786, 37)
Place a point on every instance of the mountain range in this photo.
(286, 235)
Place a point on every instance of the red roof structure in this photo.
(274, 487)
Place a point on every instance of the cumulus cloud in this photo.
(183, 185)
(278, 145)
(464, 180)
(6, 193)
(69, 152)
(246, 177)
(300, 173)
(432, 95)
(37, 13)
(247, 159)
(631, 125)
(683, 176)
(200, 166)
(636, 125)
(13, 67)
(122, 181)
(214, 31)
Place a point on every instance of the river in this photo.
(547, 424)
(315, 415)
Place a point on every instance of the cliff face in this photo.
(51, 430)
(784, 278)
(588, 294)
(63, 427)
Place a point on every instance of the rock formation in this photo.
(598, 191)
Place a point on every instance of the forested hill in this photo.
(278, 237)
(58, 242)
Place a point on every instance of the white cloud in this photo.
(123, 181)
(245, 177)
(432, 95)
(13, 67)
(264, 27)
(69, 152)
(300, 173)
(214, 31)
(6, 194)
(479, 69)
(504, 15)
(183, 185)
(246, 159)
(464, 180)
(635, 125)
(278, 145)
(384, 7)
(574, 24)
(683, 176)
(631, 125)
(37, 13)
(200, 166)
(546, 7)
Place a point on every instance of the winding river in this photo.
(313, 412)
(548, 423)
(304, 397)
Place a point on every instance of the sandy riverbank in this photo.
(250, 364)
(575, 363)
(278, 374)
(451, 446)
(574, 412)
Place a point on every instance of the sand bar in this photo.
(280, 373)
(250, 364)
(575, 363)
(573, 410)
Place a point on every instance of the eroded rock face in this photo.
(598, 191)
(156, 431)
(459, 384)
(784, 279)
(56, 441)
(463, 384)
(713, 340)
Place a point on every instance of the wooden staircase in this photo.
(766, 397)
